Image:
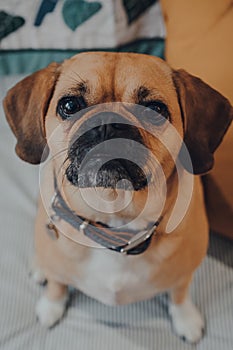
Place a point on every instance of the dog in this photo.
(137, 101)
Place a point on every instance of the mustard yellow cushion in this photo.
(200, 40)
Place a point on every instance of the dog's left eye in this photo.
(160, 108)
(68, 106)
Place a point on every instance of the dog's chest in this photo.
(115, 279)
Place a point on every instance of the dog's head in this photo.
(80, 95)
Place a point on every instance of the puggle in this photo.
(121, 214)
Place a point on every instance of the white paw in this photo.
(187, 321)
(50, 312)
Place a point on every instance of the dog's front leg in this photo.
(186, 318)
(52, 305)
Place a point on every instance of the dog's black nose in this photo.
(107, 125)
(108, 131)
(110, 125)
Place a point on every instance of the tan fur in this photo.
(171, 259)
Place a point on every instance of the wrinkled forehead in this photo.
(123, 74)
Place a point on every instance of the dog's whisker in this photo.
(59, 153)
(71, 77)
(60, 142)
(79, 76)
(74, 191)
(62, 166)
(75, 77)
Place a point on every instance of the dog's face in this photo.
(98, 99)
(114, 98)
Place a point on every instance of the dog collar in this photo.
(128, 242)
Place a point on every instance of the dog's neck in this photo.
(119, 207)
(113, 208)
(122, 240)
(137, 233)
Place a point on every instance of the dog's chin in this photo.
(114, 174)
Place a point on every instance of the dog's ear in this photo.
(25, 106)
(206, 116)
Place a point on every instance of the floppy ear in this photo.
(25, 107)
(206, 117)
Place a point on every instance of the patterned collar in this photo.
(127, 242)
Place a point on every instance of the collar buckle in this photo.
(83, 226)
(138, 239)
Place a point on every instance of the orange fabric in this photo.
(200, 40)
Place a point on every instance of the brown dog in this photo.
(139, 99)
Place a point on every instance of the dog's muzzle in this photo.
(110, 154)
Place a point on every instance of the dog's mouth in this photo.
(116, 174)
(109, 155)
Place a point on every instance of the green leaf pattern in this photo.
(135, 8)
(75, 13)
(9, 24)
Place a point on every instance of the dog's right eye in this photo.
(68, 106)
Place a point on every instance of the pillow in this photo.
(199, 39)
(34, 33)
